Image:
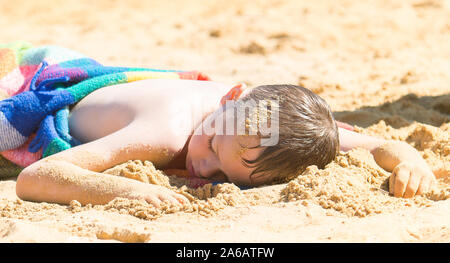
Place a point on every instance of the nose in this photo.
(207, 168)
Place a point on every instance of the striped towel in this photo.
(40, 83)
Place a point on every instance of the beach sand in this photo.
(381, 65)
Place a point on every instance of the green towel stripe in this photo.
(84, 88)
(57, 145)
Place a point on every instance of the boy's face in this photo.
(222, 162)
(218, 156)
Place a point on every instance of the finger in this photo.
(392, 183)
(424, 186)
(173, 197)
(412, 186)
(182, 199)
(168, 199)
(401, 180)
(153, 201)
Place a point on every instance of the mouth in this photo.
(194, 180)
(191, 170)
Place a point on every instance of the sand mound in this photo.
(353, 184)
(204, 200)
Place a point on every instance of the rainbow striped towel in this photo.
(40, 83)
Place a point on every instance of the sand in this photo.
(381, 65)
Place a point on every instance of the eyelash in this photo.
(210, 142)
(210, 148)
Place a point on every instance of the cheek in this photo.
(193, 144)
(196, 145)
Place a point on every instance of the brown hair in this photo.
(308, 134)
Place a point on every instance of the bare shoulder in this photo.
(159, 103)
(153, 91)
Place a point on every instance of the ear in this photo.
(234, 93)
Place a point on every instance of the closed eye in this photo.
(210, 139)
(219, 175)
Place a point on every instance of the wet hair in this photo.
(308, 134)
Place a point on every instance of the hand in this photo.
(409, 179)
(156, 195)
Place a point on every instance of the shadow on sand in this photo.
(431, 110)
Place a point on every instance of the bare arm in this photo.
(61, 182)
(74, 174)
(349, 140)
(410, 173)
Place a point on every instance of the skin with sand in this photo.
(156, 120)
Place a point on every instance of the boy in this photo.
(143, 120)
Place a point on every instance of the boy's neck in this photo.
(179, 161)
